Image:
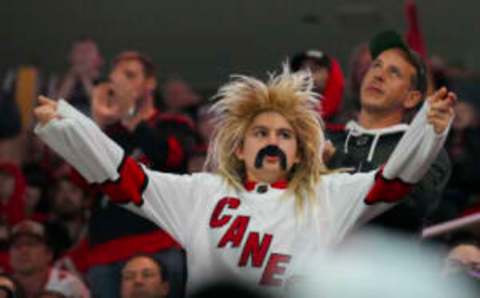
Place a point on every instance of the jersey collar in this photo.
(252, 185)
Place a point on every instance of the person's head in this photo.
(85, 56)
(144, 277)
(135, 70)
(465, 116)
(9, 287)
(268, 132)
(68, 199)
(396, 81)
(178, 95)
(317, 62)
(29, 251)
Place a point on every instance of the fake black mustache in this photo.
(271, 150)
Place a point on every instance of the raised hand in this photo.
(105, 109)
(441, 111)
(46, 110)
(113, 101)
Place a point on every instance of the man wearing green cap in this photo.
(392, 89)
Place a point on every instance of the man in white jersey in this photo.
(270, 198)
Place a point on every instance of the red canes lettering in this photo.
(274, 269)
(257, 251)
(235, 232)
(217, 220)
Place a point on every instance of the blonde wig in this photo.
(289, 94)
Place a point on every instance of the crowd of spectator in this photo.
(59, 237)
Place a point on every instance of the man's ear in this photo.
(414, 97)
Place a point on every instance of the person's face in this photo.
(387, 86)
(464, 116)
(29, 255)
(130, 73)
(86, 54)
(179, 95)
(141, 278)
(268, 128)
(319, 73)
(68, 199)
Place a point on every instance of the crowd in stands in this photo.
(60, 237)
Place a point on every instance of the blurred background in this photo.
(205, 41)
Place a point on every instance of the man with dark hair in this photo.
(131, 85)
(392, 89)
(125, 108)
(147, 63)
(144, 277)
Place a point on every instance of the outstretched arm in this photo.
(417, 150)
(78, 140)
(166, 199)
(424, 139)
(353, 195)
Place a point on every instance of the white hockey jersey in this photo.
(252, 234)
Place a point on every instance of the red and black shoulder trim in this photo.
(129, 186)
(387, 191)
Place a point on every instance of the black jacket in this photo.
(365, 150)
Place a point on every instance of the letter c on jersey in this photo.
(217, 220)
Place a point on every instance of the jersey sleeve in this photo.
(167, 199)
(411, 160)
(356, 198)
(174, 202)
(344, 198)
(417, 149)
(82, 144)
